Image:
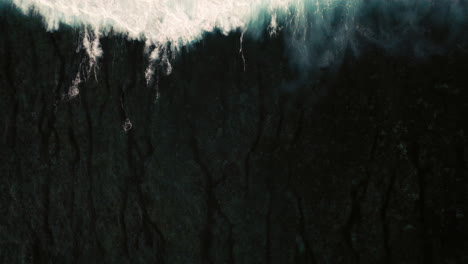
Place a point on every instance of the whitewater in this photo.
(316, 33)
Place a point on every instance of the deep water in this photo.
(271, 161)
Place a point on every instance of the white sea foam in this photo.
(177, 21)
(316, 32)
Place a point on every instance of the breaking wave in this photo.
(316, 33)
